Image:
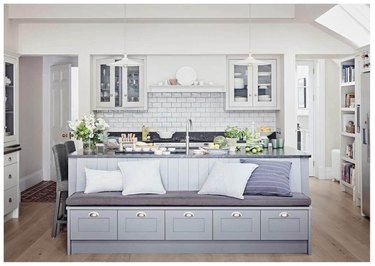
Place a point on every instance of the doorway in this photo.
(305, 109)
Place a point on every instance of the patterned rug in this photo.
(44, 191)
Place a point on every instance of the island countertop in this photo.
(286, 152)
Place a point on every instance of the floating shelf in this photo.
(347, 84)
(349, 160)
(179, 88)
(346, 109)
(352, 135)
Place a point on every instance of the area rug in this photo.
(44, 191)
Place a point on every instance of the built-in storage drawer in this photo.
(10, 176)
(236, 225)
(10, 158)
(93, 224)
(141, 225)
(10, 200)
(188, 224)
(284, 225)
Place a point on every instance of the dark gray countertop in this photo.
(12, 148)
(287, 152)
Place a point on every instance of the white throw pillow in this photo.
(100, 181)
(228, 179)
(141, 177)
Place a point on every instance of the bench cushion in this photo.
(184, 198)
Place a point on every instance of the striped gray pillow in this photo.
(271, 178)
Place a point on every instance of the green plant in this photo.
(88, 128)
(232, 132)
(245, 133)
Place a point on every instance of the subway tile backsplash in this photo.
(169, 111)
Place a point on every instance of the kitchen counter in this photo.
(287, 152)
(11, 149)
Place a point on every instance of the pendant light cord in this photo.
(249, 28)
(124, 22)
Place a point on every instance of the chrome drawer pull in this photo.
(236, 214)
(141, 214)
(9, 159)
(10, 176)
(10, 200)
(284, 214)
(189, 214)
(93, 214)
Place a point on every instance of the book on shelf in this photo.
(348, 74)
(347, 172)
(349, 100)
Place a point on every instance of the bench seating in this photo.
(185, 198)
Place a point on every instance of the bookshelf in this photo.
(348, 121)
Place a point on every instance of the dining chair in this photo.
(60, 155)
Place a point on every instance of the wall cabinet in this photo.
(118, 87)
(251, 87)
(10, 101)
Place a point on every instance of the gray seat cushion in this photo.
(184, 198)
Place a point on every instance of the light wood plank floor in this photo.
(339, 233)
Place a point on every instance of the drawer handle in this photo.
(189, 214)
(10, 200)
(10, 176)
(9, 159)
(141, 214)
(93, 214)
(284, 214)
(236, 214)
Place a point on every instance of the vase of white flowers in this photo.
(88, 129)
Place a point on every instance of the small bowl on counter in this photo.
(166, 152)
(158, 152)
(128, 149)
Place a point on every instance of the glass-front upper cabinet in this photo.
(118, 86)
(10, 100)
(251, 86)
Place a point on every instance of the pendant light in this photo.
(125, 61)
(250, 60)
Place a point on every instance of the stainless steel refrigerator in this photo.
(364, 118)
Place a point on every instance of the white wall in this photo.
(31, 124)
(10, 33)
(332, 106)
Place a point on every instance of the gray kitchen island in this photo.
(260, 224)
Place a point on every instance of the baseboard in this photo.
(31, 180)
(325, 173)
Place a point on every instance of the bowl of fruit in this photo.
(253, 148)
(216, 148)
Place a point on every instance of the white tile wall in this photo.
(169, 111)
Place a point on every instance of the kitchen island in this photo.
(182, 171)
(182, 221)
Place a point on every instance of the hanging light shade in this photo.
(250, 60)
(125, 61)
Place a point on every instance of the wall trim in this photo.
(31, 180)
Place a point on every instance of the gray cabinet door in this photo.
(188, 225)
(140, 225)
(236, 225)
(284, 224)
(93, 224)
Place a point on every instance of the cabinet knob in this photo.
(111, 95)
(284, 214)
(249, 94)
(93, 214)
(10, 200)
(10, 176)
(236, 214)
(64, 135)
(255, 94)
(125, 95)
(9, 159)
(189, 214)
(140, 214)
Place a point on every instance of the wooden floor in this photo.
(339, 233)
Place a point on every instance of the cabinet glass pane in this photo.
(105, 83)
(133, 93)
(118, 86)
(264, 85)
(241, 88)
(9, 99)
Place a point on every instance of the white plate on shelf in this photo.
(186, 76)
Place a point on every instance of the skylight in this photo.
(350, 21)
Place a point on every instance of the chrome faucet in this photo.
(189, 125)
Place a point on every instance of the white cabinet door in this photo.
(239, 89)
(264, 89)
(105, 83)
(133, 84)
(11, 101)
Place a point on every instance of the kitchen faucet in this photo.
(189, 125)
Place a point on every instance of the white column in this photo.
(84, 95)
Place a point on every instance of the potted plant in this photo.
(232, 134)
(89, 129)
